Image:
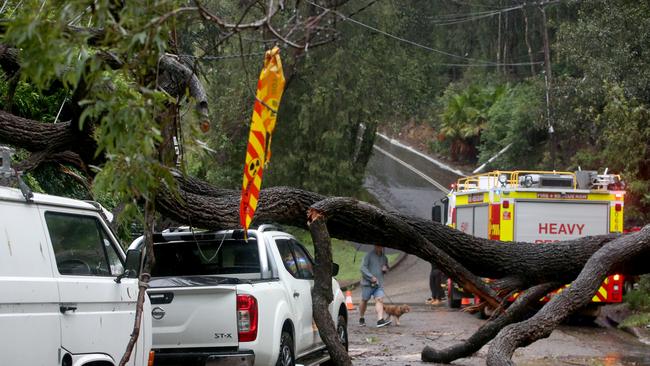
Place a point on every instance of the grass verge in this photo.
(639, 302)
(344, 254)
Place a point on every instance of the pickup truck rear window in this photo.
(216, 257)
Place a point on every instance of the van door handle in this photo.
(296, 294)
(65, 308)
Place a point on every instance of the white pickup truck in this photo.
(219, 299)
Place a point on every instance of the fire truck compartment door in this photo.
(473, 220)
(543, 222)
(481, 221)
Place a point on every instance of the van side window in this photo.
(81, 246)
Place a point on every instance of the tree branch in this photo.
(209, 16)
(322, 295)
(516, 312)
(574, 297)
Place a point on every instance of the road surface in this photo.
(399, 185)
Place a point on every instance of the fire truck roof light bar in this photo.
(525, 179)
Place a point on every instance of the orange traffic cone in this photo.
(348, 300)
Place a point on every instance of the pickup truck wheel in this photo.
(286, 357)
(342, 331)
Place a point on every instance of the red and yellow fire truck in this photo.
(538, 207)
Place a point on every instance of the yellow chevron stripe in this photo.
(595, 299)
(252, 140)
(603, 292)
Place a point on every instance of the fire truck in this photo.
(538, 207)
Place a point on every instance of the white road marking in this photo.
(432, 160)
(413, 169)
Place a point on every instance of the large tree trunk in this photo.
(213, 208)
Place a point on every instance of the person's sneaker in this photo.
(362, 322)
(382, 323)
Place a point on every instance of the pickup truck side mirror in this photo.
(131, 265)
(335, 269)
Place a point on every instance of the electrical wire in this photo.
(465, 16)
(3, 6)
(453, 21)
(419, 45)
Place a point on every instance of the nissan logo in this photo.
(157, 313)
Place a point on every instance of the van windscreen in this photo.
(212, 257)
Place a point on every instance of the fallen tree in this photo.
(530, 268)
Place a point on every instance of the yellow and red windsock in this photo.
(258, 153)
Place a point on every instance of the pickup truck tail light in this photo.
(247, 318)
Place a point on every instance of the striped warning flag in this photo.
(258, 153)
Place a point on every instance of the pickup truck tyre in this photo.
(286, 357)
(342, 331)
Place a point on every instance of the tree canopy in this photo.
(113, 100)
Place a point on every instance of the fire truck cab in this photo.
(539, 207)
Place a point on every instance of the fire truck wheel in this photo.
(486, 312)
(627, 286)
(453, 303)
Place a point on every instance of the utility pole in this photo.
(530, 49)
(548, 82)
(499, 44)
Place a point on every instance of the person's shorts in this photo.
(368, 291)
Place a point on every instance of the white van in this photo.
(64, 299)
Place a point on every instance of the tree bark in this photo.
(321, 294)
(32, 135)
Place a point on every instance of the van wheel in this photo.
(342, 331)
(286, 357)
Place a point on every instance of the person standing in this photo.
(435, 285)
(373, 267)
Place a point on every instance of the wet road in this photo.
(399, 185)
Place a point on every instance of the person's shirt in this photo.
(371, 266)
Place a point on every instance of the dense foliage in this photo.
(474, 71)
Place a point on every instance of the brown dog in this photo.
(395, 311)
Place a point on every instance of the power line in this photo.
(452, 19)
(473, 17)
(458, 16)
(419, 45)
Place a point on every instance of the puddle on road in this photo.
(614, 359)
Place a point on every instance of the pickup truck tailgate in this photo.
(192, 316)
